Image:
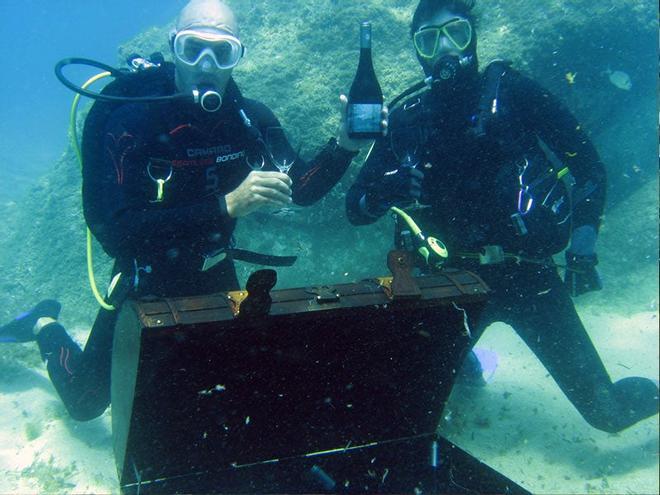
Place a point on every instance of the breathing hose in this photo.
(73, 135)
(432, 249)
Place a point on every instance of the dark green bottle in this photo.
(365, 99)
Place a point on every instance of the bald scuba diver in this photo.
(173, 155)
(498, 168)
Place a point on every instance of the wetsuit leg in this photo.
(545, 318)
(82, 379)
(471, 371)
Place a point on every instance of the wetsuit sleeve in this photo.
(561, 131)
(321, 174)
(379, 158)
(117, 208)
(311, 180)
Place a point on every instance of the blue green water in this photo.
(34, 105)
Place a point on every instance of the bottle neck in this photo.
(365, 37)
(365, 47)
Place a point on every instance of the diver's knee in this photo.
(86, 415)
(619, 406)
(87, 412)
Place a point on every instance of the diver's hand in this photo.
(398, 187)
(581, 275)
(356, 144)
(259, 189)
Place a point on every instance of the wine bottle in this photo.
(365, 99)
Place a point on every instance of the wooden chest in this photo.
(200, 391)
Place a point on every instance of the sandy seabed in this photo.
(520, 423)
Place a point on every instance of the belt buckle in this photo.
(491, 255)
(519, 224)
(210, 260)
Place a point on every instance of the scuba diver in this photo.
(172, 156)
(499, 168)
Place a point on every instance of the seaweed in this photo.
(50, 477)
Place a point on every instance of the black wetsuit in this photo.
(160, 243)
(476, 176)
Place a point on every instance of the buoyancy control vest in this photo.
(156, 80)
(152, 80)
(540, 221)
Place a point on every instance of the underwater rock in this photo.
(298, 68)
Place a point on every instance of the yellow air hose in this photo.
(73, 135)
(430, 248)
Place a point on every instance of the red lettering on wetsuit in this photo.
(202, 162)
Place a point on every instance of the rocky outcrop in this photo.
(301, 55)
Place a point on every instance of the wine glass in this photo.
(282, 156)
(256, 164)
(284, 166)
(405, 145)
(280, 150)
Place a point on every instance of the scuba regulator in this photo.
(432, 250)
(208, 98)
(444, 71)
(448, 67)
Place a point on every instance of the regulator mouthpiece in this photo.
(446, 68)
(209, 99)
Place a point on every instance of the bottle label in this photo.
(364, 117)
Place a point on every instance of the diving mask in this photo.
(191, 46)
(428, 40)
